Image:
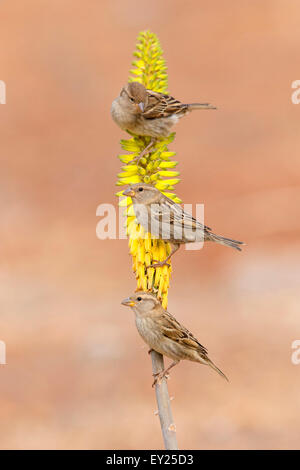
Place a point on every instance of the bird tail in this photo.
(193, 106)
(225, 241)
(214, 367)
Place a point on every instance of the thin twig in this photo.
(164, 405)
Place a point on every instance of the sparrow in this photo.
(164, 334)
(166, 220)
(149, 113)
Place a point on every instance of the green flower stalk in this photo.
(156, 168)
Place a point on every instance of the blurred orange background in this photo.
(77, 374)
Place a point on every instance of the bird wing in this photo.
(173, 330)
(161, 105)
(168, 208)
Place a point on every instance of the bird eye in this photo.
(131, 99)
(141, 189)
(139, 299)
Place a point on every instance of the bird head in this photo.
(142, 193)
(134, 97)
(141, 302)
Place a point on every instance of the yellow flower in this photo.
(156, 168)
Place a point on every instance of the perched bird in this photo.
(166, 220)
(164, 334)
(148, 113)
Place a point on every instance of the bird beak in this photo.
(128, 302)
(141, 106)
(129, 192)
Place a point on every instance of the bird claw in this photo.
(159, 376)
(137, 159)
(144, 152)
(158, 264)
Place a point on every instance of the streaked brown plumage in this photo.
(148, 113)
(167, 220)
(164, 334)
